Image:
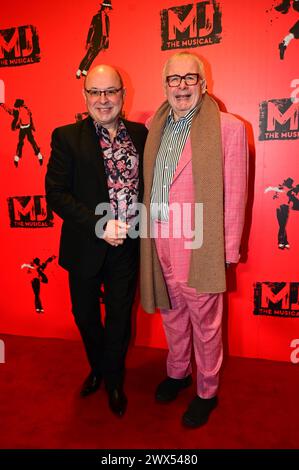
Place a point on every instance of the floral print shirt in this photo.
(121, 162)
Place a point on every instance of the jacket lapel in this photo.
(185, 158)
(135, 136)
(92, 150)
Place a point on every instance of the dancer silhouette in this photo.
(284, 8)
(97, 38)
(38, 268)
(22, 120)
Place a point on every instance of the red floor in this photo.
(40, 406)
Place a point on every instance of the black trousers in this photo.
(282, 213)
(36, 289)
(89, 57)
(106, 342)
(26, 132)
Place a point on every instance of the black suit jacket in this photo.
(75, 184)
(95, 35)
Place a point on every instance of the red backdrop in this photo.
(244, 72)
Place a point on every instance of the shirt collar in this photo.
(186, 119)
(100, 130)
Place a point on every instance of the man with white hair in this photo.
(195, 157)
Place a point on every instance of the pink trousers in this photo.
(195, 320)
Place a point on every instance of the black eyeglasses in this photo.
(191, 79)
(96, 93)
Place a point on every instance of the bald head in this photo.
(104, 96)
(103, 74)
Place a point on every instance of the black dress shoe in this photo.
(198, 411)
(117, 401)
(90, 384)
(282, 48)
(168, 389)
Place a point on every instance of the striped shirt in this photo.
(173, 141)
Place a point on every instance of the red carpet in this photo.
(40, 406)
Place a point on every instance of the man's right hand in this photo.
(115, 233)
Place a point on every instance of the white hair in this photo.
(183, 54)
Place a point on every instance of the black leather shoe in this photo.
(90, 384)
(282, 48)
(117, 401)
(168, 389)
(198, 411)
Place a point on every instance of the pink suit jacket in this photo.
(235, 169)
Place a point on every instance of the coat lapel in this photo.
(185, 158)
(92, 150)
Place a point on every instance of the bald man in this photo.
(97, 163)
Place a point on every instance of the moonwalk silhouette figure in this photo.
(38, 268)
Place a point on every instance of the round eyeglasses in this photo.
(96, 93)
(190, 79)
